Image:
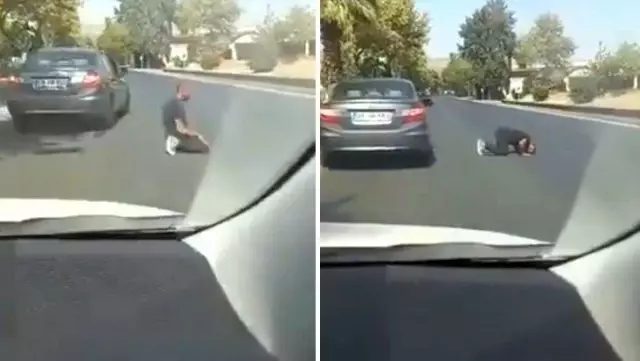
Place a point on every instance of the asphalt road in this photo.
(127, 163)
(531, 197)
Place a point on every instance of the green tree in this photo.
(293, 31)
(338, 21)
(116, 41)
(297, 26)
(435, 81)
(265, 55)
(36, 23)
(550, 48)
(524, 55)
(216, 18)
(605, 63)
(404, 35)
(87, 41)
(458, 75)
(488, 44)
(372, 39)
(628, 56)
(149, 23)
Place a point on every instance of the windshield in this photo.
(188, 127)
(42, 60)
(533, 131)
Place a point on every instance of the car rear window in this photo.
(51, 59)
(377, 89)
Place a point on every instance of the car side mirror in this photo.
(123, 70)
(427, 101)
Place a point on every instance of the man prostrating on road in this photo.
(508, 140)
(179, 136)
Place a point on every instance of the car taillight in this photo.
(329, 116)
(418, 113)
(91, 80)
(14, 81)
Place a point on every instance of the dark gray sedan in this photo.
(372, 115)
(69, 81)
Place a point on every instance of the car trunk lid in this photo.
(372, 114)
(58, 81)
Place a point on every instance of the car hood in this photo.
(354, 235)
(18, 209)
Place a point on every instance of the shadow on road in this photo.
(379, 161)
(42, 138)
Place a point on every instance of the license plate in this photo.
(371, 118)
(50, 84)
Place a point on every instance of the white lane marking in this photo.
(227, 82)
(555, 113)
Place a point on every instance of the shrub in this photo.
(264, 55)
(583, 94)
(540, 93)
(178, 62)
(210, 61)
(262, 61)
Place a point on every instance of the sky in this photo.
(94, 11)
(587, 22)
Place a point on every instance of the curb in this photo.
(629, 113)
(277, 80)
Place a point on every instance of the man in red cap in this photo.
(179, 135)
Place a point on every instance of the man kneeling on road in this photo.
(179, 136)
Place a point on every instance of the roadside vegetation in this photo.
(142, 32)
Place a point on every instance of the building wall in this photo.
(516, 82)
(241, 48)
(179, 50)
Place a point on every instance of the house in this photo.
(180, 42)
(520, 73)
(240, 46)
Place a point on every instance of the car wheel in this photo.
(106, 121)
(127, 106)
(429, 157)
(109, 120)
(110, 117)
(324, 159)
(20, 123)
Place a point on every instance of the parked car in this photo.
(85, 83)
(382, 114)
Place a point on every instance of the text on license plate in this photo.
(371, 117)
(50, 84)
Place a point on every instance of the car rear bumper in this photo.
(413, 139)
(88, 105)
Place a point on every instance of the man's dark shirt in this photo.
(510, 136)
(171, 110)
(505, 139)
